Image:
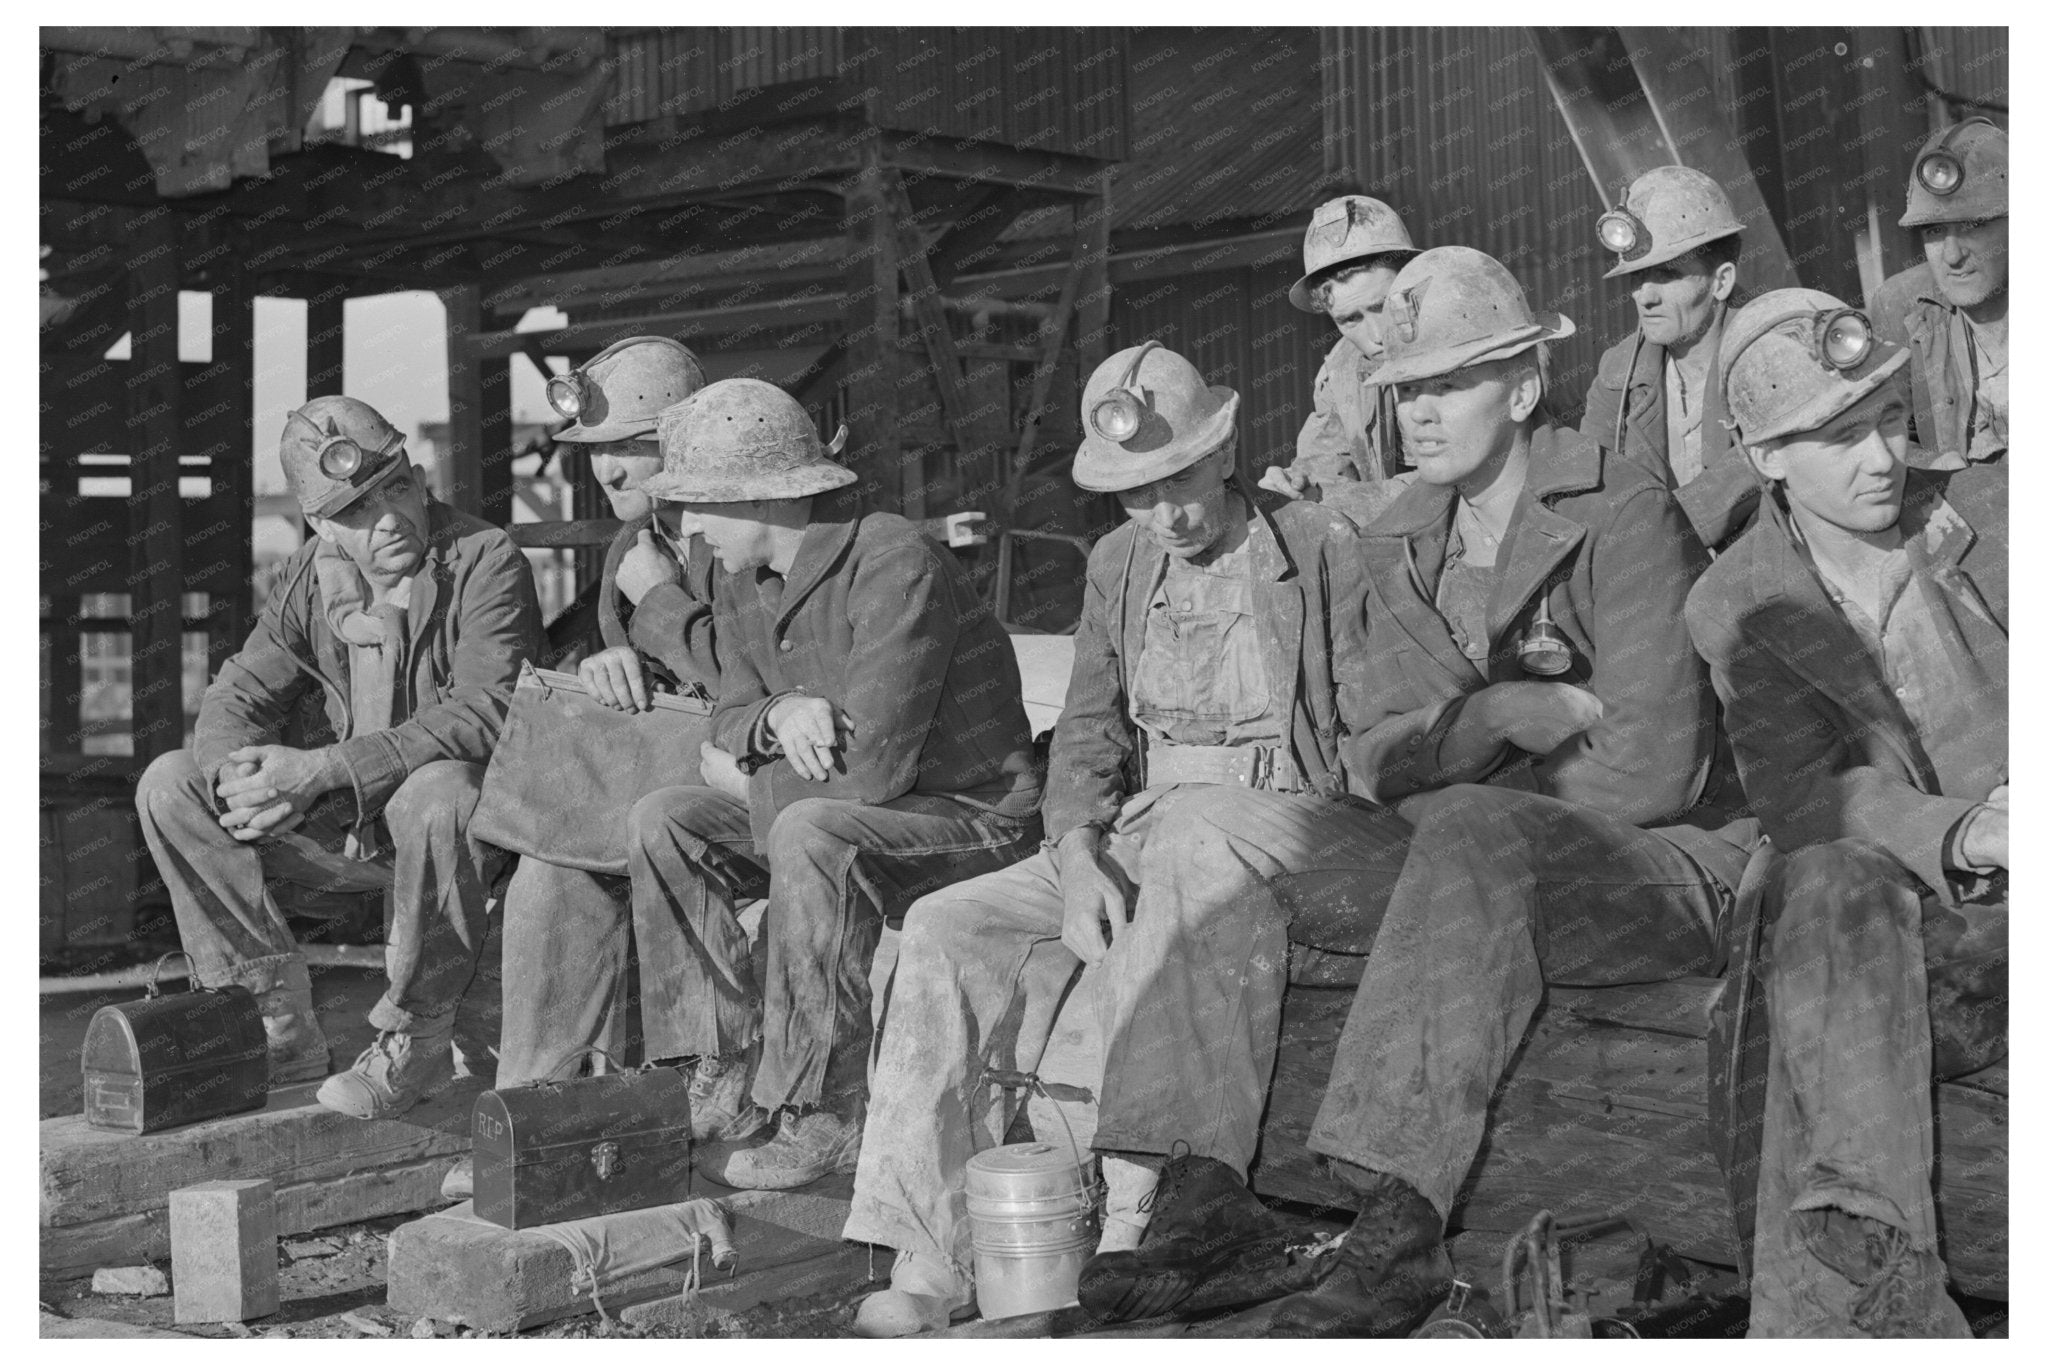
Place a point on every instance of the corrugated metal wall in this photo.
(1052, 88)
(1972, 62)
(1457, 130)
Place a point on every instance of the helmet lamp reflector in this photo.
(340, 458)
(1617, 232)
(1845, 340)
(565, 394)
(1941, 173)
(1117, 416)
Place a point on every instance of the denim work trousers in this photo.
(566, 934)
(437, 878)
(1875, 989)
(835, 870)
(1506, 890)
(1188, 1000)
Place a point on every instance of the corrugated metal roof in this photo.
(1226, 125)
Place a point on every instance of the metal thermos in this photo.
(1032, 1207)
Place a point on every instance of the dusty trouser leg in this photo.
(1848, 1115)
(1190, 1001)
(566, 936)
(1507, 890)
(440, 882)
(836, 868)
(980, 973)
(691, 856)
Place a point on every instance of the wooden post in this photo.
(234, 468)
(478, 478)
(1091, 315)
(323, 340)
(156, 578)
(875, 449)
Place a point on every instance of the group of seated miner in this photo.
(1496, 702)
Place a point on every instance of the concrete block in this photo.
(224, 1250)
(145, 1281)
(454, 1267)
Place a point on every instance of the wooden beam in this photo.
(229, 614)
(872, 364)
(323, 340)
(934, 331)
(976, 229)
(820, 258)
(156, 578)
(689, 326)
(479, 478)
(990, 162)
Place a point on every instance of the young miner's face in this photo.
(735, 531)
(1675, 301)
(1850, 472)
(1459, 427)
(1187, 512)
(1357, 304)
(384, 531)
(620, 467)
(1968, 259)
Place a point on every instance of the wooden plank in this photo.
(872, 364)
(230, 613)
(324, 332)
(87, 1175)
(934, 332)
(156, 578)
(462, 477)
(991, 162)
(820, 258)
(563, 535)
(691, 326)
(305, 1206)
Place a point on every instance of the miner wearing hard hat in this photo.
(1348, 452)
(1541, 734)
(1656, 397)
(871, 745)
(1857, 637)
(1949, 311)
(567, 928)
(343, 748)
(1195, 777)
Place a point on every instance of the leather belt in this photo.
(1259, 766)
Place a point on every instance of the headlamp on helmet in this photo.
(1118, 414)
(342, 458)
(1843, 339)
(569, 393)
(1939, 170)
(1624, 234)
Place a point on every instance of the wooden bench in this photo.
(1603, 1109)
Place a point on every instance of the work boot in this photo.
(1209, 1244)
(394, 1073)
(1383, 1277)
(1128, 1183)
(720, 1109)
(460, 1182)
(1900, 1292)
(805, 1147)
(291, 1029)
(925, 1293)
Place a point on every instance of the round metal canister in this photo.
(1033, 1212)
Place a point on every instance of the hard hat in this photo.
(1344, 232)
(1148, 414)
(617, 394)
(740, 440)
(1960, 175)
(1452, 307)
(335, 450)
(1793, 359)
(1668, 211)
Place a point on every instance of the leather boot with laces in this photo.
(394, 1073)
(925, 1293)
(1385, 1276)
(720, 1107)
(291, 1028)
(1900, 1292)
(806, 1147)
(1209, 1244)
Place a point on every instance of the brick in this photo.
(224, 1250)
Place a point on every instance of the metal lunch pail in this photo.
(1032, 1207)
